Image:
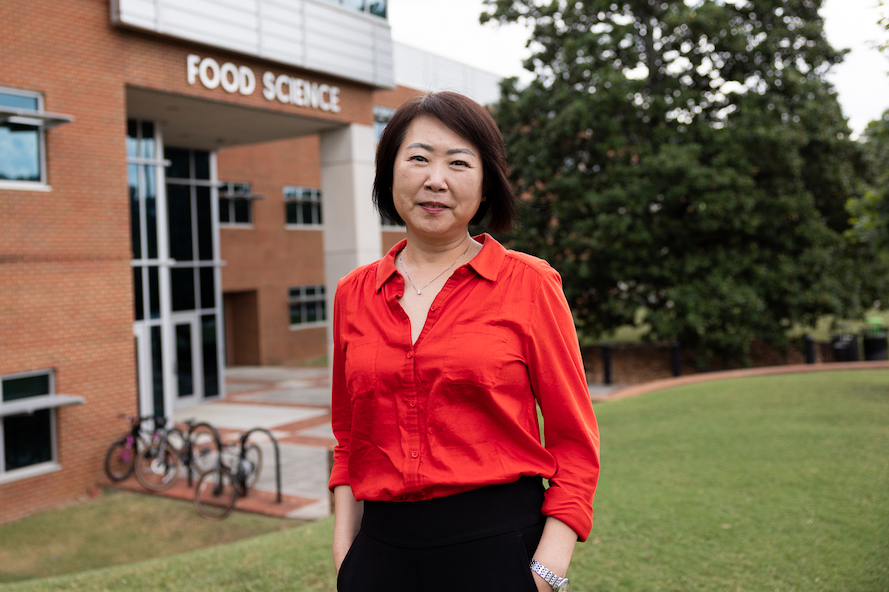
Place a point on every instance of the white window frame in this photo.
(302, 297)
(42, 121)
(315, 198)
(28, 405)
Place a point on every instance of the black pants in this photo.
(477, 540)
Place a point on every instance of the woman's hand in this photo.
(347, 521)
(554, 550)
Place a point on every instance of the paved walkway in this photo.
(293, 404)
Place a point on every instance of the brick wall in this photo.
(65, 277)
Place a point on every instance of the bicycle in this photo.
(199, 452)
(217, 491)
(121, 455)
(157, 465)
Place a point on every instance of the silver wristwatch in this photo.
(558, 584)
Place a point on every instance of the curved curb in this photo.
(666, 383)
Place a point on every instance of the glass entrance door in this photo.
(186, 333)
(176, 284)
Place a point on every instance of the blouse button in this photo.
(415, 454)
(412, 403)
(410, 355)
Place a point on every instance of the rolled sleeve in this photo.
(570, 430)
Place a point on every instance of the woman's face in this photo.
(437, 184)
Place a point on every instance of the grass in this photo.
(766, 483)
(119, 527)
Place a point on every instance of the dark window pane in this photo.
(306, 213)
(208, 287)
(157, 371)
(210, 354)
(27, 439)
(290, 211)
(295, 314)
(135, 213)
(201, 165)
(311, 312)
(132, 138)
(242, 211)
(148, 177)
(154, 294)
(205, 224)
(147, 140)
(138, 298)
(180, 226)
(178, 158)
(20, 153)
(323, 306)
(184, 369)
(318, 219)
(225, 210)
(29, 386)
(378, 8)
(182, 288)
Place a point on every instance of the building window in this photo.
(22, 151)
(302, 206)
(236, 204)
(382, 115)
(374, 7)
(307, 306)
(28, 423)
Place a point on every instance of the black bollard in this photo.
(675, 355)
(606, 362)
(810, 349)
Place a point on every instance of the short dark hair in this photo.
(471, 121)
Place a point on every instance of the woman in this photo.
(442, 350)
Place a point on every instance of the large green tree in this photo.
(687, 159)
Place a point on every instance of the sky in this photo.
(450, 28)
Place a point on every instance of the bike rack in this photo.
(244, 438)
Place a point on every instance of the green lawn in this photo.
(754, 484)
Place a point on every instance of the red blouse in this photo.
(456, 410)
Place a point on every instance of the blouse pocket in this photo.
(361, 367)
(476, 354)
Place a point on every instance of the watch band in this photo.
(552, 579)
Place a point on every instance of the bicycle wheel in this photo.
(204, 449)
(215, 494)
(252, 464)
(119, 459)
(156, 469)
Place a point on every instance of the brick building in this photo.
(181, 186)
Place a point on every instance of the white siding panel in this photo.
(275, 28)
(205, 13)
(226, 29)
(243, 5)
(335, 32)
(290, 52)
(212, 38)
(290, 14)
(139, 10)
(137, 21)
(313, 34)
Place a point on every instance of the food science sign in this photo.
(242, 80)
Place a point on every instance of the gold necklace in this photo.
(420, 290)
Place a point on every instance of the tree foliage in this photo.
(870, 212)
(688, 159)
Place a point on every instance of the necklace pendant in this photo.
(418, 292)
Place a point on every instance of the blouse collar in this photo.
(487, 263)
